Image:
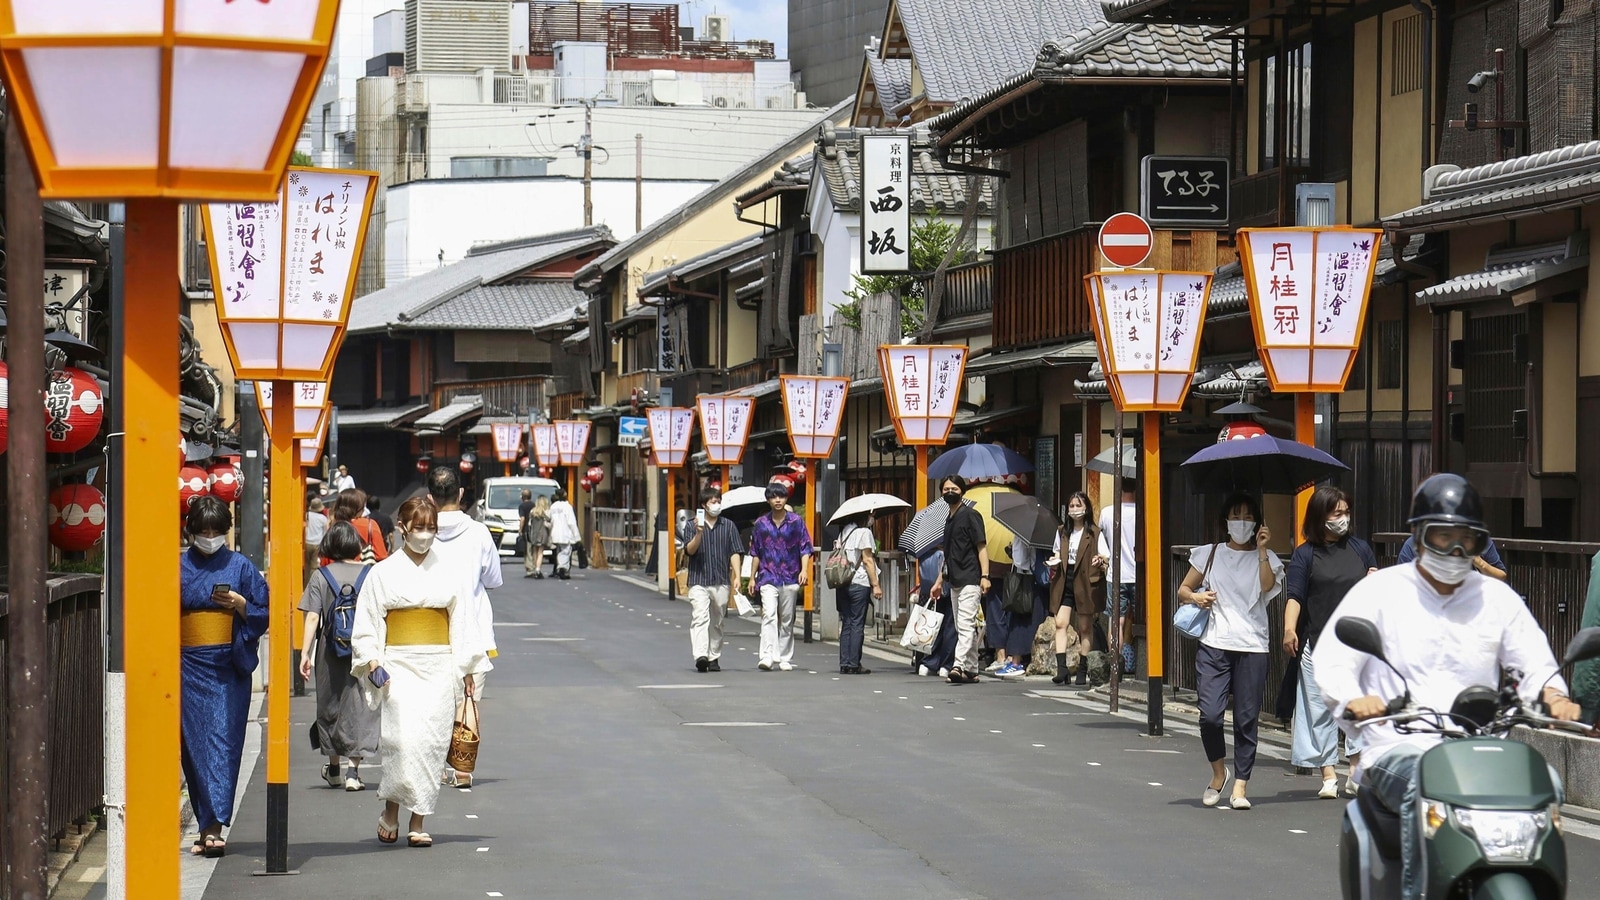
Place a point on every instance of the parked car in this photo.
(497, 503)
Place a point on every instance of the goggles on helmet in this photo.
(1444, 538)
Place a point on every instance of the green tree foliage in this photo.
(298, 158)
(930, 240)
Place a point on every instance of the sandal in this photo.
(198, 847)
(384, 828)
(957, 676)
(419, 839)
(215, 847)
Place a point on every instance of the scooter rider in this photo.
(1445, 627)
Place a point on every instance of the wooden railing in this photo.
(1038, 289)
(1266, 198)
(563, 405)
(686, 386)
(76, 688)
(968, 290)
(753, 372)
(513, 396)
(644, 381)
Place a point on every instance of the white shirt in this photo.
(1238, 619)
(468, 551)
(1441, 644)
(343, 482)
(563, 524)
(1073, 540)
(857, 542)
(1129, 569)
(1021, 555)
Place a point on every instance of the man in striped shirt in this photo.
(712, 546)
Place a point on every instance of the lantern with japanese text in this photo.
(1147, 332)
(544, 446)
(226, 483)
(311, 447)
(725, 427)
(193, 482)
(311, 407)
(77, 517)
(671, 430)
(507, 440)
(73, 408)
(1238, 431)
(797, 470)
(813, 411)
(572, 441)
(924, 385)
(1308, 290)
(5, 406)
(285, 271)
(595, 474)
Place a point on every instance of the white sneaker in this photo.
(996, 666)
(1351, 788)
(1330, 789)
(923, 671)
(944, 673)
(785, 667)
(765, 666)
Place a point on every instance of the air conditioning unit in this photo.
(718, 29)
(721, 102)
(539, 92)
(775, 103)
(636, 95)
(1314, 203)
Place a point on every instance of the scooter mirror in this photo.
(1585, 645)
(1361, 634)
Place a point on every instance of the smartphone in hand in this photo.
(378, 677)
(700, 518)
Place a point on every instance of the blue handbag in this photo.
(1189, 619)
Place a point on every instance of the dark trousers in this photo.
(1244, 676)
(855, 600)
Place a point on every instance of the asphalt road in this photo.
(610, 768)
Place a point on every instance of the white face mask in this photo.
(1445, 569)
(419, 542)
(1339, 527)
(713, 510)
(1240, 530)
(209, 545)
(1077, 514)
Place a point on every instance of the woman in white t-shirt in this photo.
(857, 541)
(1235, 581)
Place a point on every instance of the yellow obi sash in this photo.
(205, 627)
(418, 626)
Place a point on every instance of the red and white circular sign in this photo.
(1126, 240)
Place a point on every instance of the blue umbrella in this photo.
(1262, 463)
(975, 461)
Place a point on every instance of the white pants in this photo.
(563, 557)
(967, 600)
(777, 622)
(705, 622)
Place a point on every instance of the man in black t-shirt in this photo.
(966, 564)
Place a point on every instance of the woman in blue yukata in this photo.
(224, 602)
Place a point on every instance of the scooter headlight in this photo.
(1504, 835)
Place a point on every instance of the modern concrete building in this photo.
(826, 39)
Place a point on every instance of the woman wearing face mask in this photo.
(224, 603)
(416, 659)
(1075, 593)
(1235, 581)
(863, 590)
(1321, 571)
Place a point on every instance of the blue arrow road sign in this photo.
(630, 430)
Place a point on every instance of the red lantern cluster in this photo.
(596, 474)
(73, 408)
(77, 517)
(226, 482)
(797, 471)
(193, 483)
(546, 471)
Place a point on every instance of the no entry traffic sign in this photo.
(1126, 240)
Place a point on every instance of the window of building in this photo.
(1494, 380)
(497, 167)
(1391, 351)
(1286, 99)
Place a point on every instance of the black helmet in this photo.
(1448, 499)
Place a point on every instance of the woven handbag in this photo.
(463, 754)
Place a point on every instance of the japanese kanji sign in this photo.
(284, 272)
(572, 441)
(1147, 331)
(507, 441)
(671, 429)
(813, 409)
(885, 203)
(1308, 290)
(923, 383)
(724, 427)
(1184, 191)
(310, 407)
(544, 445)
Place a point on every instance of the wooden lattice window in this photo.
(1494, 381)
(1405, 55)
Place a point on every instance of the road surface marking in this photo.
(1144, 750)
(927, 707)
(554, 640)
(1038, 745)
(958, 718)
(472, 815)
(903, 698)
(1153, 783)
(516, 624)
(483, 849)
(1297, 831)
(91, 874)
(1094, 764)
(877, 692)
(677, 687)
(732, 724)
(495, 894)
(995, 731)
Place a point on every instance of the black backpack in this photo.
(341, 618)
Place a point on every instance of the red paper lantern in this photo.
(524, 463)
(597, 474)
(545, 471)
(797, 471)
(193, 482)
(77, 517)
(586, 485)
(786, 481)
(73, 408)
(424, 464)
(227, 483)
(466, 465)
(1237, 431)
(5, 406)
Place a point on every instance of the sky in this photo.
(753, 20)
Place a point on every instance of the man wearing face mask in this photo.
(966, 558)
(1445, 627)
(712, 548)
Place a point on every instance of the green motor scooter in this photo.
(1487, 809)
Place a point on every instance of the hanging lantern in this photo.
(466, 465)
(596, 474)
(227, 484)
(192, 482)
(5, 406)
(73, 408)
(1237, 431)
(797, 471)
(587, 485)
(524, 463)
(424, 464)
(787, 481)
(546, 471)
(77, 517)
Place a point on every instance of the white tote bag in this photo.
(922, 628)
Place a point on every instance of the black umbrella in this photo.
(927, 527)
(1027, 518)
(1262, 463)
(73, 346)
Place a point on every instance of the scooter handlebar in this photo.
(1395, 707)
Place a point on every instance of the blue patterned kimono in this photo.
(216, 682)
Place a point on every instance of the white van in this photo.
(497, 503)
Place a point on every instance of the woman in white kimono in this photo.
(416, 659)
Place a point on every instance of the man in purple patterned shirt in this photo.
(781, 547)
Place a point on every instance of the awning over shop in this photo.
(1525, 274)
(383, 417)
(447, 417)
(485, 425)
(1214, 379)
(1059, 355)
(761, 389)
(633, 317)
(575, 338)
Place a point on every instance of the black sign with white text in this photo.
(1184, 191)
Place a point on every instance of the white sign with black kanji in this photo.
(885, 204)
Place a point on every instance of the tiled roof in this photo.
(711, 261)
(1213, 379)
(892, 79)
(1541, 182)
(483, 265)
(380, 417)
(1055, 355)
(794, 174)
(1208, 12)
(964, 47)
(1509, 270)
(934, 189)
(451, 414)
(518, 306)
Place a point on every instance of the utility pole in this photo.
(638, 183)
(588, 163)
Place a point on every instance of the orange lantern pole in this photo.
(1147, 332)
(813, 411)
(724, 431)
(1308, 290)
(671, 429)
(923, 384)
